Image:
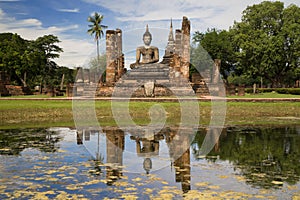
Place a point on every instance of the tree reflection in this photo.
(267, 157)
(12, 142)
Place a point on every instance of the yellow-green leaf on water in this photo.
(292, 187)
(131, 189)
(67, 177)
(124, 177)
(62, 196)
(123, 184)
(193, 194)
(240, 178)
(45, 158)
(92, 182)
(259, 197)
(234, 195)
(129, 197)
(296, 196)
(40, 196)
(2, 187)
(202, 184)
(214, 187)
(51, 171)
(148, 191)
(223, 176)
(27, 183)
(261, 175)
(263, 191)
(167, 196)
(60, 175)
(61, 151)
(73, 187)
(277, 182)
(136, 179)
(52, 179)
(5, 149)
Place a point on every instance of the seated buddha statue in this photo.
(149, 53)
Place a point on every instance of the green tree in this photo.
(219, 45)
(29, 62)
(12, 49)
(96, 28)
(48, 49)
(268, 41)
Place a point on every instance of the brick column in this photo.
(186, 27)
(110, 57)
(119, 56)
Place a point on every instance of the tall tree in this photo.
(268, 41)
(48, 49)
(12, 60)
(96, 28)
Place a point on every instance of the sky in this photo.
(67, 19)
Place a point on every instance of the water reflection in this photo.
(267, 157)
(147, 150)
(15, 141)
(247, 159)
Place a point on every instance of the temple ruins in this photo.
(169, 77)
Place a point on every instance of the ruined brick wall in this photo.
(114, 56)
(181, 58)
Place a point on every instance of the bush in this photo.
(295, 91)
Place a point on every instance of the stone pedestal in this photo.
(149, 89)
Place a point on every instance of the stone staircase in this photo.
(133, 82)
(87, 90)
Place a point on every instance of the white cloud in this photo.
(75, 10)
(76, 52)
(203, 14)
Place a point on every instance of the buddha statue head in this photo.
(147, 37)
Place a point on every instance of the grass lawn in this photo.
(41, 113)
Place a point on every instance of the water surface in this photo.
(61, 163)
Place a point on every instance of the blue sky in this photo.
(67, 19)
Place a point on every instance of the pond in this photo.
(65, 163)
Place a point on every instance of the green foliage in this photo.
(218, 44)
(243, 79)
(12, 59)
(30, 63)
(294, 91)
(271, 152)
(268, 41)
(264, 47)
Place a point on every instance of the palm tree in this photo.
(96, 28)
